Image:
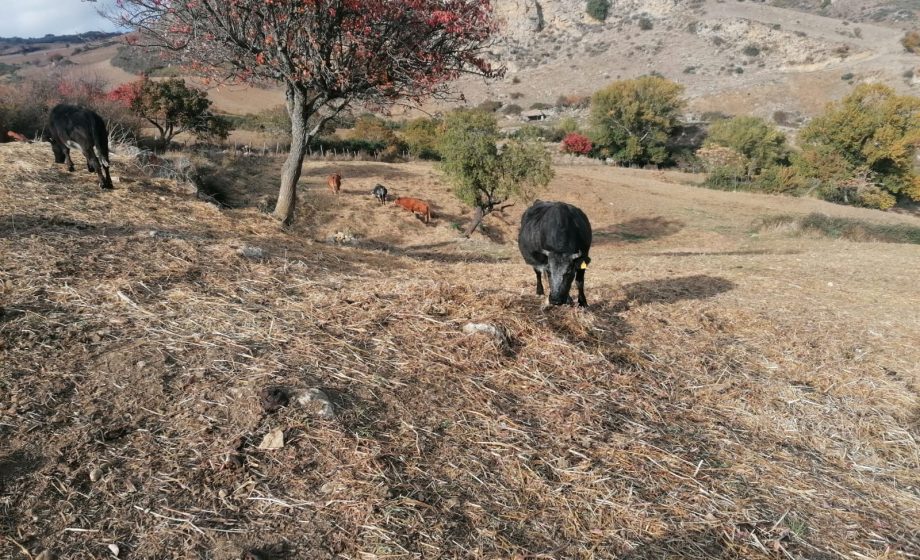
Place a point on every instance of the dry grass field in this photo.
(740, 386)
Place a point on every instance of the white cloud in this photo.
(36, 18)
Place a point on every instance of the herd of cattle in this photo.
(554, 237)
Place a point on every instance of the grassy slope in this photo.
(727, 394)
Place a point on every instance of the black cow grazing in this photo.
(380, 193)
(74, 127)
(555, 238)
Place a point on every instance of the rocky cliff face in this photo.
(741, 57)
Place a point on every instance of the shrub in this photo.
(870, 135)
(632, 120)
(541, 106)
(575, 143)
(512, 109)
(726, 166)
(911, 42)
(847, 77)
(137, 60)
(573, 101)
(568, 125)
(760, 144)
(421, 138)
(645, 24)
(274, 121)
(489, 106)
(779, 179)
(598, 9)
(751, 50)
(24, 107)
(374, 129)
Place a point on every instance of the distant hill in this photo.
(10, 45)
(779, 59)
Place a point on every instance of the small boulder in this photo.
(318, 401)
(497, 332)
(343, 238)
(252, 252)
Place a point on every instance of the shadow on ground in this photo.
(671, 290)
(637, 230)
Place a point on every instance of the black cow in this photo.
(74, 127)
(380, 193)
(555, 238)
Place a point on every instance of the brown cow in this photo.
(415, 206)
(16, 136)
(335, 182)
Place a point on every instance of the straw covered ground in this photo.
(734, 390)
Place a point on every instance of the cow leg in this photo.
(58, 152)
(580, 282)
(93, 163)
(540, 291)
(67, 160)
(105, 180)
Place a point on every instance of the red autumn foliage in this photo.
(575, 143)
(126, 93)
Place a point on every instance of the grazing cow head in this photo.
(563, 267)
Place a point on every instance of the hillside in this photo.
(734, 390)
(733, 57)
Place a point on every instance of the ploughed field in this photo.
(740, 386)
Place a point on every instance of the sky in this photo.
(36, 18)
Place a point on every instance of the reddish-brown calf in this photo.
(415, 206)
(16, 136)
(335, 182)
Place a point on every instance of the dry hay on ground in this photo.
(718, 400)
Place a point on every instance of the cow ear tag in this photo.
(584, 265)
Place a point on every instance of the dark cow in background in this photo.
(555, 238)
(380, 193)
(73, 127)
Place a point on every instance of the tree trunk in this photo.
(290, 173)
(478, 216)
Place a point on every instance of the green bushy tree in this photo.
(172, 108)
(868, 139)
(484, 177)
(633, 119)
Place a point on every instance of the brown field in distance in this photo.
(733, 390)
